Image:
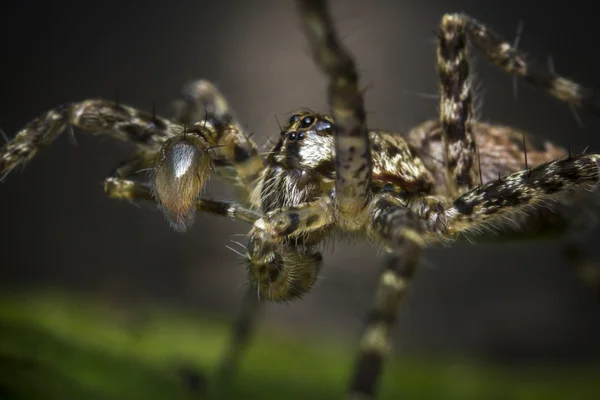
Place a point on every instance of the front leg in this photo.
(281, 262)
(145, 131)
(401, 232)
(235, 156)
(352, 147)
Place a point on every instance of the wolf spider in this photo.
(329, 175)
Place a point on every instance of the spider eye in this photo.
(324, 126)
(307, 121)
(292, 136)
(294, 118)
(300, 135)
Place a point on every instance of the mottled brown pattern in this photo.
(501, 150)
(456, 105)
(353, 169)
(330, 175)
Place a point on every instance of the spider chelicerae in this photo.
(329, 175)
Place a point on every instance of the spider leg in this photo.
(352, 146)
(352, 187)
(456, 104)
(501, 153)
(144, 130)
(135, 167)
(405, 227)
(456, 109)
(401, 231)
(508, 199)
(241, 334)
(235, 156)
(503, 54)
(181, 168)
(200, 100)
(237, 162)
(124, 189)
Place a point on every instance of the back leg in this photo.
(501, 152)
(456, 109)
(504, 55)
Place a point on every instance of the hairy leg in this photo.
(456, 109)
(508, 199)
(124, 189)
(353, 180)
(501, 150)
(401, 232)
(235, 155)
(353, 155)
(145, 131)
(456, 106)
(504, 55)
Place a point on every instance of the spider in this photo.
(330, 175)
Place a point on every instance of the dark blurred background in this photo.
(507, 302)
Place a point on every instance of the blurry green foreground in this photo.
(56, 347)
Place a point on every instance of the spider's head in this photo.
(306, 144)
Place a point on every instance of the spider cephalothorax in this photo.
(333, 175)
(300, 165)
(300, 177)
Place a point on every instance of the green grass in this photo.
(61, 347)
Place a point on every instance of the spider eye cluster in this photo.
(293, 136)
(294, 118)
(305, 122)
(309, 121)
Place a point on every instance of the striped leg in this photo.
(504, 55)
(456, 107)
(507, 200)
(124, 189)
(352, 146)
(235, 155)
(146, 131)
(401, 230)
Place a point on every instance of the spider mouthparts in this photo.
(180, 174)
